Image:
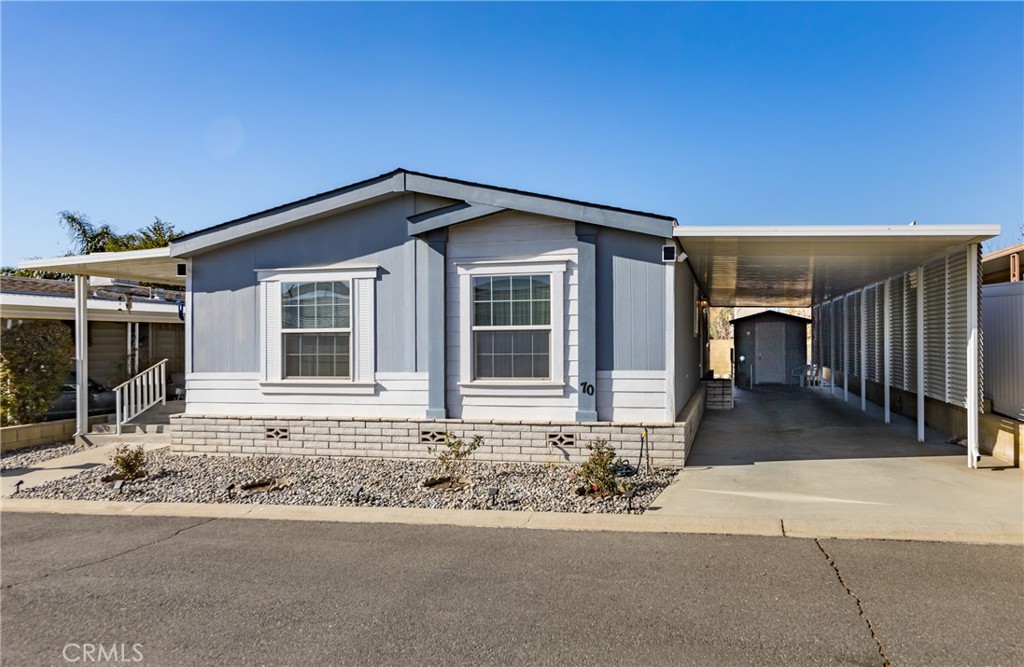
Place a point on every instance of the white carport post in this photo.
(919, 382)
(864, 349)
(887, 347)
(81, 355)
(846, 351)
(972, 355)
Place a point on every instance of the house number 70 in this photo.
(587, 388)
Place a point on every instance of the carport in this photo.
(894, 308)
(150, 265)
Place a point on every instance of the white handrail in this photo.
(138, 394)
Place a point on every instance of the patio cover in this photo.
(152, 266)
(796, 266)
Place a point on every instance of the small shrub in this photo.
(597, 474)
(36, 357)
(129, 462)
(452, 455)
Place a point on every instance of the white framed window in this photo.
(512, 329)
(318, 329)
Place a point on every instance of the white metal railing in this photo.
(141, 392)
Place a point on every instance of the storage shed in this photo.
(770, 348)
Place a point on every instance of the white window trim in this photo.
(361, 379)
(555, 385)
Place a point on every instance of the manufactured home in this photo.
(373, 319)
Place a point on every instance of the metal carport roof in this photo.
(801, 265)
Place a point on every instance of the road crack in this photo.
(112, 556)
(860, 606)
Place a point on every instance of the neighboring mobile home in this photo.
(130, 327)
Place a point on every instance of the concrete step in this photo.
(132, 428)
(150, 440)
(158, 414)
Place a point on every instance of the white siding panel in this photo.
(396, 395)
(1004, 347)
(631, 396)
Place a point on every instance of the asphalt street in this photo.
(181, 591)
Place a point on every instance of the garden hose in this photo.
(624, 468)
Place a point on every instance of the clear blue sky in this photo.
(713, 113)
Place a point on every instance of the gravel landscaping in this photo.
(332, 482)
(30, 456)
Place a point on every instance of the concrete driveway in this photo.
(823, 468)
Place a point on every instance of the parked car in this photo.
(102, 401)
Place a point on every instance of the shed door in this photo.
(770, 343)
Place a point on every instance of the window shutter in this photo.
(272, 318)
(363, 330)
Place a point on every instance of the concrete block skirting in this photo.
(371, 437)
(719, 394)
(43, 433)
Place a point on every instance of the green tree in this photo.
(88, 237)
(157, 234)
(35, 359)
(25, 273)
(720, 329)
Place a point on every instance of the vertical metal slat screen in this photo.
(981, 337)
(898, 331)
(816, 335)
(935, 330)
(910, 337)
(956, 328)
(874, 340)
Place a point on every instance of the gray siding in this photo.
(226, 295)
(688, 351)
(630, 302)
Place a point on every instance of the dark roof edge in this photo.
(292, 204)
(391, 174)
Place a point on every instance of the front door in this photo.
(770, 343)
